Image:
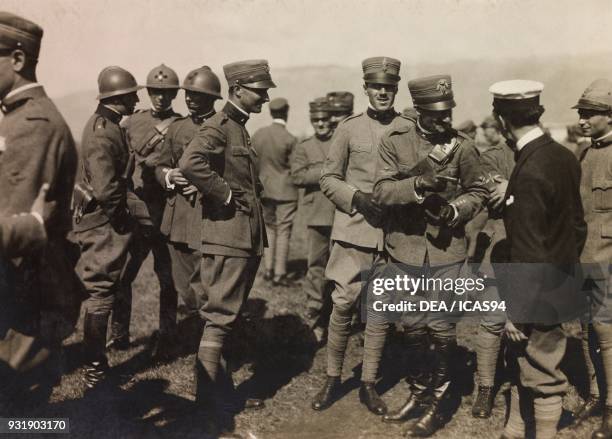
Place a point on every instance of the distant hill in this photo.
(565, 79)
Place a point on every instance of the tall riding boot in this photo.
(94, 341)
(418, 379)
(120, 320)
(605, 430)
(431, 420)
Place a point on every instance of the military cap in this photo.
(432, 92)
(278, 104)
(115, 81)
(597, 96)
(319, 107)
(18, 33)
(253, 73)
(381, 70)
(162, 76)
(490, 122)
(466, 126)
(516, 95)
(203, 80)
(340, 101)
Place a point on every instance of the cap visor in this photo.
(319, 114)
(437, 106)
(261, 84)
(586, 106)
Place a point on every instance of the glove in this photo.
(367, 207)
(429, 182)
(438, 210)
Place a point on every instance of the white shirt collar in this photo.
(22, 88)
(528, 137)
(239, 109)
(280, 121)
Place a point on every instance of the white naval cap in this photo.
(516, 89)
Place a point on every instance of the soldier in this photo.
(305, 172)
(182, 218)
(595, 114)
(274, 146)
(429, 176)
(36, 147)
(347, 180)
(497, 163)
(145, 131)
(469, 128)
(575, 141)
(541, 284)
(220, 163)
(340, 106)
(103, 225)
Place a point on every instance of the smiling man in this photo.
(595, 119)
(145, 131)
(220, 163)
(347, 180)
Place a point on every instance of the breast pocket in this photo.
(362, 147)
(602, 194)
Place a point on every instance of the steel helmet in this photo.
(162, 76)
(203, 80)
(115, 81)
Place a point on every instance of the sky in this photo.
(83, 36)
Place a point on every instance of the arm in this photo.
(391, 185)
(165, 160)
(196, 163)
(303, 173)
(475, 193)
(333, 173)
(106, 180)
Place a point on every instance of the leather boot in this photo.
(483, 406)
(605, 431)
(370, 398)
(94, 342)
(417, 345)
(591, 407)
(429, 422)
(327, 395)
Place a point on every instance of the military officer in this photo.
(497, 162)
(105, 227)
(429, 177)
(145, 131)
(595, 118)
(319, 210)
(182, 218)
(541, 285)
(340, 106)
(347, 179)
(274, 146)
(220, 163)
(36, 147)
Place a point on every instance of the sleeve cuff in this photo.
(229, 198)
(169, 186)
(455, 219)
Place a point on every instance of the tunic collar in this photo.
(199, 118)
(238, 115)
(382, 116)
(16, 98)
(109, 114)
(603, 141)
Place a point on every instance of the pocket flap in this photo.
(240, 150)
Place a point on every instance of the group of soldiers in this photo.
(403, 194)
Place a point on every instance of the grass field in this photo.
(274, 354)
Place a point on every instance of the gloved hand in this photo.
(429, 182)
(439, 212)
(367, 207)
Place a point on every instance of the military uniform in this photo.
(348, 175)
(274, 146)
(182, 217)
(220, 162)
(145, 131)
(306, 169)
(595, 190)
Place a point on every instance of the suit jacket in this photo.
(402, 156)
(182, 218)
(351, 166)
(220, 161)
(546, 232)
(306, 169)
(274, 146)
(139, 128)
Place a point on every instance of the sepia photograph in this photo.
(279, 219)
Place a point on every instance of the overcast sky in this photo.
(83, 36)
